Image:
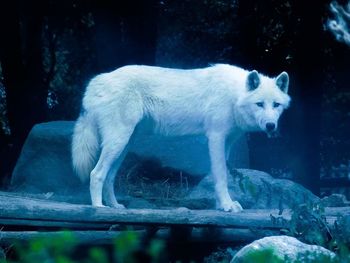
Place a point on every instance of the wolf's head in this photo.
(264, 102)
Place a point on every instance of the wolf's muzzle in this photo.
(270, 127)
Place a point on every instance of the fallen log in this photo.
(28, 211)
(31, 212)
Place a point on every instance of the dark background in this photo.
(50, 49)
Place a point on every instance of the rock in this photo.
(221, 255)
(282, 249)
(44, 165)
(253, 189)
(335, 200)
(139, 203)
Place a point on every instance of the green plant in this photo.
(308, 224)
(65, 248)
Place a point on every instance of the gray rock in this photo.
(282, 249)
(44, 165)
(139, 203)
(253, 189)
(335, 200)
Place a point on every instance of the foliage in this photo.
(3, 106)
(65, 248)
(245, 184)
(68, 58)
(308, 224)
(339, 26)
(195, 33)
(3, 119)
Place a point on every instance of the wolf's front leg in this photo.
(216, 143)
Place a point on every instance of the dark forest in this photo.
(49, 51)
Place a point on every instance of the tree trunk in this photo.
(23, 76)
(125, 33)
(307, 106)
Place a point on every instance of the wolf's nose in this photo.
(270, 126)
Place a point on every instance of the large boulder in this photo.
(275, 249)
(44, 165)
(253, 189)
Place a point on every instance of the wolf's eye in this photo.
(276, 104)
(260, 104)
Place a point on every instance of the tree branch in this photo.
(340, 25)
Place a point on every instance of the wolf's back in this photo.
(85, 146)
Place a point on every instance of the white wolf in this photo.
(220, 102)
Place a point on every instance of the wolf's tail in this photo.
(85, 146)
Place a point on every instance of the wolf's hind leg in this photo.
(108, 190)
(113, 144)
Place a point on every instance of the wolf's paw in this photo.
(114, 204)
(117, 206)
(99, 205)
(231, 206)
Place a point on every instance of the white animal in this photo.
(221, 102)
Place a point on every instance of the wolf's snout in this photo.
(270, 126)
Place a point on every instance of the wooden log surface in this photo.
(19, 210)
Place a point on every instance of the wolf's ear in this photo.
(282, 81)
(253, 80)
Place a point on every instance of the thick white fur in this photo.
(219, 102)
